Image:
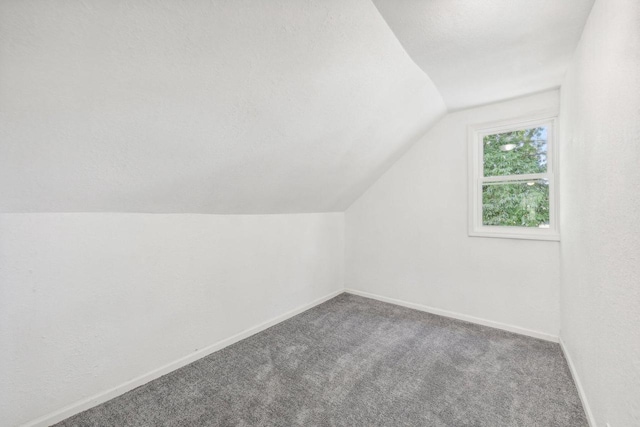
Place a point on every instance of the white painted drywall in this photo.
(478, 52)
(600, 216)
(89, 301)
(407, 235)
(202, 106)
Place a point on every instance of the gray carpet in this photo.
(353, 361)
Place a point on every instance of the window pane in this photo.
(516, 204)
(513, 153)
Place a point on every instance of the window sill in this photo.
(517, 233)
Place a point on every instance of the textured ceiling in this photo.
(248, 106)
(202, 106)
(481, 51)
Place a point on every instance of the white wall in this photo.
(600, 219)
(407, 235)
(90, 301)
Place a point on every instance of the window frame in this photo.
(476, 134)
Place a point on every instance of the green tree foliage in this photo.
(520, 204)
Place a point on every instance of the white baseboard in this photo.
(459, 316)
(576, 380)
(106, 395)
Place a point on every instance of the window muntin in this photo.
(512, 191)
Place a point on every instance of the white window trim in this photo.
(476, 179)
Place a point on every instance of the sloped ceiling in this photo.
(481, 51)
(202, 106)
(248, 106)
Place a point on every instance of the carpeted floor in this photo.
(353, 361)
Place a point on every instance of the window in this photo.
(511, 179)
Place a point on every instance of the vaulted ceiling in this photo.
(247, 106)
(482, 51)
